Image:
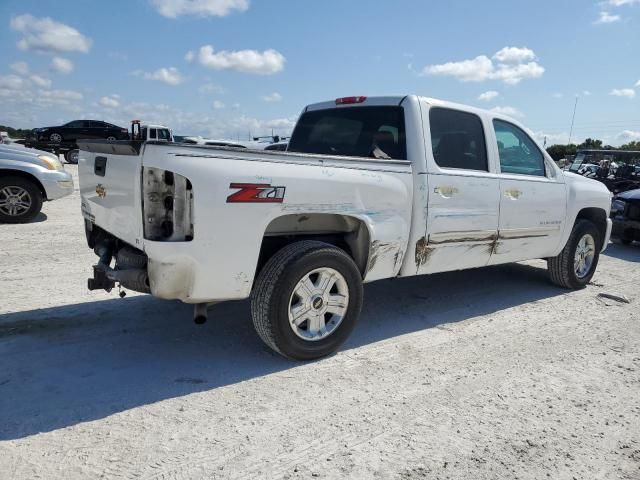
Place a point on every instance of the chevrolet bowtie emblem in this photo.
(101, 191)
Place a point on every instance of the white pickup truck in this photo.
(370, 188)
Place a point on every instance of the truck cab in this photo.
(149, 132)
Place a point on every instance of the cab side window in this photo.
(518, 153)
(457, 139)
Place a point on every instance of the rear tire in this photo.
(20, 200)
(272, 300)
(111, 138)
(565, 269)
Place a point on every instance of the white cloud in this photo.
(267, 62)
(620, 3)
(109, 102)
(189, 56)
(514, 55)
(606, 17)
(586, 93)
(202, 8)
(510, 111)
(558, 95)
(62, 65)
(272, 98)
(218, 105)
(47, 35)
(170, 76)
(118, 56)
(207, 88)
(623, 92)
(11, 82)
(637, 83)
(552, 138)
(61, 95)
(488, 96)
(40, 81)
(21, 68)
(629, 136)
(510, 71)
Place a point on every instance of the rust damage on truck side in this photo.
(378, 250)
(423, 252)
(425, 245)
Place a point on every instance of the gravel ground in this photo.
(491, 373)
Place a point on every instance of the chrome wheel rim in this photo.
(584, 256)
(111, 139)
(73, 157)
(318, 304)
(55, 137)
(14, 201)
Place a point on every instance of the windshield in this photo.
(374, 132)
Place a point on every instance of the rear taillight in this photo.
(349, 100)
(167, 206)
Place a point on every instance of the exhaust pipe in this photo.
(200, 313)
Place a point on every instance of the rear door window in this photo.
(374, 132)
(457, 139)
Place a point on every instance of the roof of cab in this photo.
(396, 100)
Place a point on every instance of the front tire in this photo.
(576, 264)
(55, 138)
(20, 200)
(72, 156)
(306, 300)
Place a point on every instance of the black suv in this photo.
(80, 130)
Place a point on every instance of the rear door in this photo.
(110, 187)
(532, 197)
(463, 195)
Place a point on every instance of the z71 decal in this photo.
(256, 193)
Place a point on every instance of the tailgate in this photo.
(109, 174)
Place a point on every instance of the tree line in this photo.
(15, 132)
(558, 152)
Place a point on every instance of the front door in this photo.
(463, 199)
(532, 198)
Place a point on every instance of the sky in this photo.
(234, 68)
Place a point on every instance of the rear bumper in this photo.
(57, 184)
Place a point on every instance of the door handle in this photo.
(445, 190)
(513, 193)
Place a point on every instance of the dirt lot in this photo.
(492, 373)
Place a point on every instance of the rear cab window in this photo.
(372, 132)
(458, 139)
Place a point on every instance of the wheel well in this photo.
(347, 233)
(597, 216)
(25, 175)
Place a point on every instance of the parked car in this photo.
(280, 146)
(62, 140)
(80, 130)
(369, 188)
(27, 178)
(6, 139)
(625, 213)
